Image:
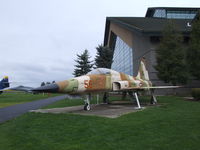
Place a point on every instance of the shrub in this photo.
(196, 93)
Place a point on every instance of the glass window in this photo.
(160, 13)
(100, 71)
(175, 14)
(181, 14)
(123, 57)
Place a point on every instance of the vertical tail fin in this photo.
(4, 83)
(143, 73)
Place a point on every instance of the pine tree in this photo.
(170, 54)
(103, 57)
(84, 65)
(193, 52)
(43, 84)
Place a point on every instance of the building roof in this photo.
(150, 24)
(145, 25)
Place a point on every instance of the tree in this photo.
(193, 52)
(48, 83)
(43, 84)
(170, 54)
(103, 57)
(84, 65)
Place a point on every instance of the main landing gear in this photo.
(87, 102)
(135, 97)
(153, 98)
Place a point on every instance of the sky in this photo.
(39, 39)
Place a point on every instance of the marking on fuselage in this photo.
(97, 82)
(81, 84)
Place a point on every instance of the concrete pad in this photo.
(113, 110)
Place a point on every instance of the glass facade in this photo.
(181, 14)
(122, 57)
(175, 14)
(160, 13)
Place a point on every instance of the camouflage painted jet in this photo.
(4, 84)
(104, 80)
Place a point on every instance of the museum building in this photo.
(132, 38)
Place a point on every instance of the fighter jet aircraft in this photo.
(4, 84)
(104, 80)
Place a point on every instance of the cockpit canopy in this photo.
(101, 71)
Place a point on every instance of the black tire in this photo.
(86, 107)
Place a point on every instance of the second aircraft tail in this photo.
(4, 83)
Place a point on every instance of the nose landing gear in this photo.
(87, 103)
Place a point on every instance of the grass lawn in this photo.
(173, 126)
(8, 98)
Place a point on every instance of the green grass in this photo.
(65, 103)
(8, 98)
(173, 126)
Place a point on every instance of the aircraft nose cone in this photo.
(49, 88)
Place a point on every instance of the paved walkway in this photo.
(103, 110)
(113, 110)
(11, 112)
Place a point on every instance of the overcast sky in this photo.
(39, 39)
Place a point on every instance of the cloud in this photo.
(33, 73)
(39, 39)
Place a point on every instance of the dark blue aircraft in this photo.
(4, 84)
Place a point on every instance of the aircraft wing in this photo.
(149, 88)
(2, 90)
(162, 87)
(22, 88)
(5, 89)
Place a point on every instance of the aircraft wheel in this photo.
(87, 107)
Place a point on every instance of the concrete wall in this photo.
(124, 34)
(141, 48)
